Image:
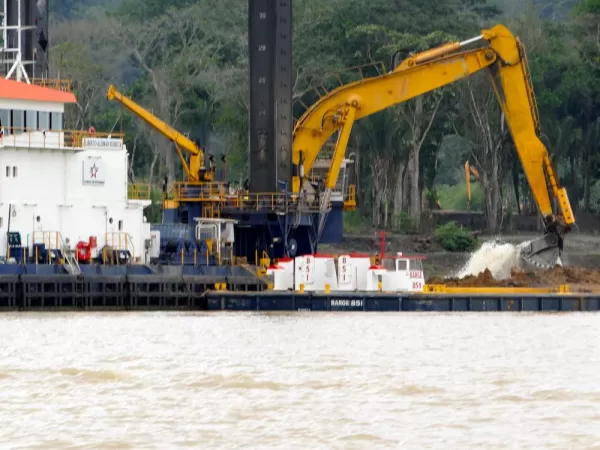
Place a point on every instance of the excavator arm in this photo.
(423, 72)
(416, 76)
(195, 170)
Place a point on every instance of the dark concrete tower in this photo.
(270, 115)
(40, 44)
(24, 33)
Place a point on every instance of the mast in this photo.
(24, 35)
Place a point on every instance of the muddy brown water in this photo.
(299, 381)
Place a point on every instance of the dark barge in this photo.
(143, 288)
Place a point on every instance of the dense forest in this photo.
(186, 60)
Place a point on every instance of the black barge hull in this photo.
(30, 292)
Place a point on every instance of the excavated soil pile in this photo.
(579, 279)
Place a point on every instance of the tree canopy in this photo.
(187, 61)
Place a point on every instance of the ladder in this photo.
(71, 264)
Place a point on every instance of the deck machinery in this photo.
(295, 214)
(269, 217)
(202, 214)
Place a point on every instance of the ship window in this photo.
(31, 120)
(120, 225)
(8, 171)
(18, 120)
(14, 171)
(401, 264)
(5, 120)
(44, 120)
(416, 265)
(1, 222)
(56, 121)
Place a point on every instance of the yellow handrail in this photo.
(76, 139)
(53, 83)
(138, 191)
(123, 241)
(350, 199)
(52, 240)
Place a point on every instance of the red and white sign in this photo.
(94, 172)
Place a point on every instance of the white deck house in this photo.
(60, 187)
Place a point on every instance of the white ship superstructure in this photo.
(61, 187)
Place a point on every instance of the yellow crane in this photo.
(195, 170)
(470, 170)
(497, 50)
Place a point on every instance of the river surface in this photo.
(299, 380)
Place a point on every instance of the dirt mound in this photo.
(484, 279)
(579, 279)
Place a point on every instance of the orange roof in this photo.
(20, 90)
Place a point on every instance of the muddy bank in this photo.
(582, 251)
(579, 279)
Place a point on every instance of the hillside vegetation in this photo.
(187, 61)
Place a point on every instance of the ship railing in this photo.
(53, 241)
(119, 241)
(198, 191)
(216, 194)
(276, 202)
(50, 239)
(55, 138)
(53, 83)
(246, 201)
(138, 191)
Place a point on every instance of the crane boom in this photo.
(196, 170)
(504, 57)
(470, 170)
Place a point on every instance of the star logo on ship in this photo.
(93, 171)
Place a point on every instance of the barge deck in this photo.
(135, 292)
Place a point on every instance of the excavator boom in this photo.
(195, 171)
(504, 58)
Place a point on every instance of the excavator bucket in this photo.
(542, 253)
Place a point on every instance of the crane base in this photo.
(542, 253)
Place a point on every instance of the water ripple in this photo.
(279, 380)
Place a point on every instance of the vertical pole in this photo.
(282, 87)
(4, 30)
(19, 72)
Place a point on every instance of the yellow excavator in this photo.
(470, 170)
(195, 171)
(496, 50)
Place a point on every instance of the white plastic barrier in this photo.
(314, 272)
(374, 277)
(352, 272)
(283, 274)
